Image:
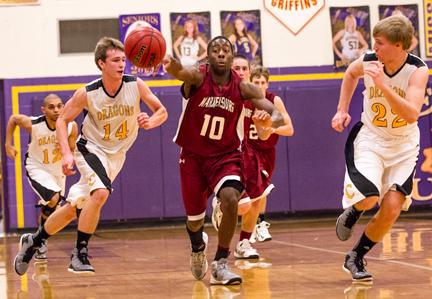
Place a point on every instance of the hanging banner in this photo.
(350, 33)
(190, 34)
(243, 29)
(130, 22)
(294, 14)
(411, 12)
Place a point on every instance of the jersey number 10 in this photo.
(216, 127)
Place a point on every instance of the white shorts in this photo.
(44, 181)
(98, 170)
(375, 165)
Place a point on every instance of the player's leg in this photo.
(229, 194)
(195, 194)
(98, 171)
(261, 232)
(29, 243)
(243, 249)
(363, 179)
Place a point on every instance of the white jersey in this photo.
(43, 149)
(377, 114)
(111, 121)
(189, 49)
(350, 45)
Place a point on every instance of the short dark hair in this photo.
(219, 37)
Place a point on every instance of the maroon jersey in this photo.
(250, 130)
(211, 123)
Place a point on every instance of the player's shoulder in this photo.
(37, 119)
(94, 85)
(129, 78)
(370, 56)
(415, 61)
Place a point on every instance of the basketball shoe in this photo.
(244, 250)
(261, 232)
(25, 254)
(356, 267)
(222, 275)
(40, 255)
(216, 214)
(345, 223)
(80, 263)
(198, 260)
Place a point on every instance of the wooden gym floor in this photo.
(304, 260)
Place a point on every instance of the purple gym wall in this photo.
(310, 165)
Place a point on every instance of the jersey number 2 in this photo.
(216, 127)
(380, 120)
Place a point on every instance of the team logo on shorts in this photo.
(294, 14)
(349, 193)
(91, 179)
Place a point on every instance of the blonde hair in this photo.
(260, 71)
(105, 44)
(396, 29)
(350, 18)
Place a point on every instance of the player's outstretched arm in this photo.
(189, 75)
(353, 73)
(160, 113)
(71, 110)
(20, 120)
(251, 92)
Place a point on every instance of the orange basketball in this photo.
(145, 47)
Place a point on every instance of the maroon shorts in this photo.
(258, 167)
(201, 176)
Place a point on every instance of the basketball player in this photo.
(381, 150)
(352, 41)
(43, 157)
(111, 106)
(259, 163)
(210, 133)
(260, 158)
(190, 43)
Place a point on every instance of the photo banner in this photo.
(351, 35)
(243, 29)
(411, 12)
(427, 10)
(125, 22)
(190, 34)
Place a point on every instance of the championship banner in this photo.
(427, 10)
(411, 12)
(190, 34)
(243, 29)
(19, 2)
(350, 32)
(129, 22)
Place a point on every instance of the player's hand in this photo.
(375, 70)
(68, 163)
(262, 118)
(11, 152)
(340, 121)
(144, 121)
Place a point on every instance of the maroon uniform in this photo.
(259, 156)
(210, 133)
(210, 124)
